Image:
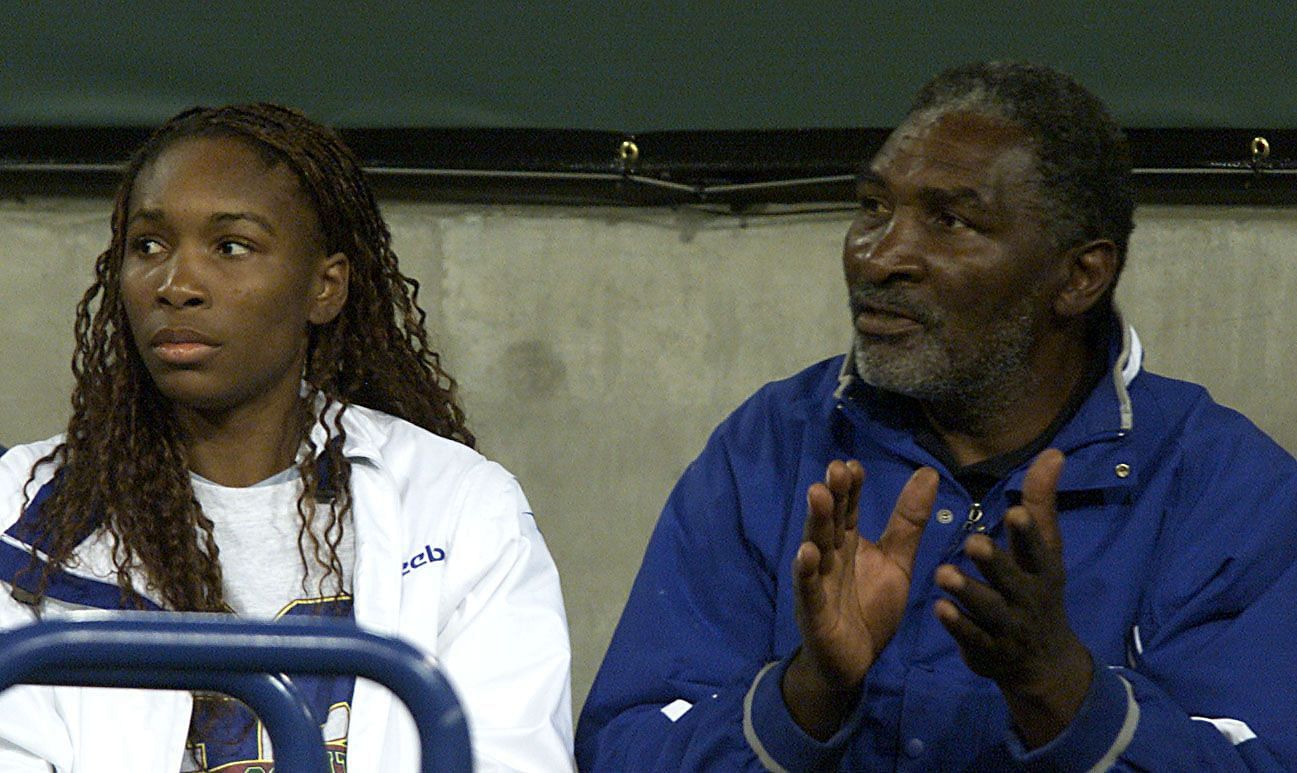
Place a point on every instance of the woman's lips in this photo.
(183, 353)
(181, 346)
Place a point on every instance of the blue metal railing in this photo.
(245, 660)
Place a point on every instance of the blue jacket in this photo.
(1179, 525)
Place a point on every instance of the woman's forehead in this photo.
(221, 173)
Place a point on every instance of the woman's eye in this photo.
(146, 246)
(231, 248)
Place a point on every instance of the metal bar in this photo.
(176, 648)
(524, 174)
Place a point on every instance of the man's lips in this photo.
(884, 321)
(182, 346)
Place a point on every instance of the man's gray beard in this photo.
(972, 385)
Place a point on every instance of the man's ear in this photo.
(329, 288)
(1091, 269)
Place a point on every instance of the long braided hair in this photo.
(122, 464)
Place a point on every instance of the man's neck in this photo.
(1014, 412)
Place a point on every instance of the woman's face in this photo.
(224, 272)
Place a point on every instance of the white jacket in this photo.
(490, 615)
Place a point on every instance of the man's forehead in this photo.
(966, 145)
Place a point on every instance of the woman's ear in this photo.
(329, 288)
(1091, 269)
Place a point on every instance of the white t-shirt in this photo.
(256, 530)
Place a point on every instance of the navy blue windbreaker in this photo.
(1179, 524)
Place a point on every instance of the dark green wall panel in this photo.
(633, 66)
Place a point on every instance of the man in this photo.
(1055, 560)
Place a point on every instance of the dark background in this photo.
(724, 101)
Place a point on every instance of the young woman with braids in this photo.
(260, 426)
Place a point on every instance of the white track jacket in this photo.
(489, 614)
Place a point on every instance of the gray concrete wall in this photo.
(597, 347)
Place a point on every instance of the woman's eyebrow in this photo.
(152, 215)
(227, 217)
(218, 218)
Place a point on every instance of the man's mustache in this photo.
(892, 299)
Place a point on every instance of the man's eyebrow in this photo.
(930, 196)
(938, 197)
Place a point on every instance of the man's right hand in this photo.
(850, 593)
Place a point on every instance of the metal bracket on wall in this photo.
(737, 171)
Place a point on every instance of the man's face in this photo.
(948, 264)
(219, 278)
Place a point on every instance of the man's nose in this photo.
(890, 252)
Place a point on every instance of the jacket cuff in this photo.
(1101, 730)
(774, 736)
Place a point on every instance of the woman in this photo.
(260, 426)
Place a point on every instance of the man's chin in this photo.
(897, 368)
(885, 352)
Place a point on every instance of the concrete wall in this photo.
(597, 347)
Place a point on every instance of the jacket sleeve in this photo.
(74, 729)
(691, 680)
(504, 645)
(32, 734)
(1209, 682)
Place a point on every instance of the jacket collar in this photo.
(364, 437)
(1107, 414)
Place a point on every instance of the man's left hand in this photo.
(1013, 627)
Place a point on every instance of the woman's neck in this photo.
(245, 445)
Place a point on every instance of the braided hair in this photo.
(122, 464)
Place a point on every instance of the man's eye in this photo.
(873, 206)
(951, 220)
(229, 247)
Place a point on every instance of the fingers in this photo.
(967, 634)
(983, 605)
(1026, 544)
(829, 539)
(900, 538)
(806, 566)
(1032, 527)
(1011, 622)
(1038, 494)
(820, 530)
(1001, 569)
(843, 480)
(831, 511)
(857, 474)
